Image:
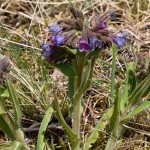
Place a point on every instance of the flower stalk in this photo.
(78, 97)
(77, 119)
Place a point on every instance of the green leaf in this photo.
(5, 126)
(137, 110)
(44, 124)
(66, 69)
(99, 127)
(114, 48)
(132, 81)
(5, 93)
(130, 85)
(124, 98)
(93, 53)
(16, 105)
(114, 122)
(72, 136)
(140, 91)
(131, 75)
(86, 79)
(71, 51)
(10, 128)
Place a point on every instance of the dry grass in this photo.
(23, 28)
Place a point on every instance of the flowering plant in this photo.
(73, 48)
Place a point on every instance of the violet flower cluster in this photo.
(76, 34)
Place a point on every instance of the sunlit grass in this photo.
(23, 28)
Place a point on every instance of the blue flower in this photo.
(102, 25)
(47, 50)
(55, 29)
(58, 40)
(83, 45)
(94, 41)
(120, 40)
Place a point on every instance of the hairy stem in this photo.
(77, 100)
(77, 120)
(77, 114)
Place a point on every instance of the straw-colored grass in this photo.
(23, 27)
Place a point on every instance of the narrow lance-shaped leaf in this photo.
(132, 80)
(44, 124)
(141, 90)
(86, 79)
(114, 122)
(130, 84)
(16, 105)
(99, 127)
(5, 127)
(72, 136)
(137, 110)
(124, 98)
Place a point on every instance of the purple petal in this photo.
(55, 29)
(102, 25)
(58, 40)
(83, 45)
(120, 40)
(94, 41)
(47, 50)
